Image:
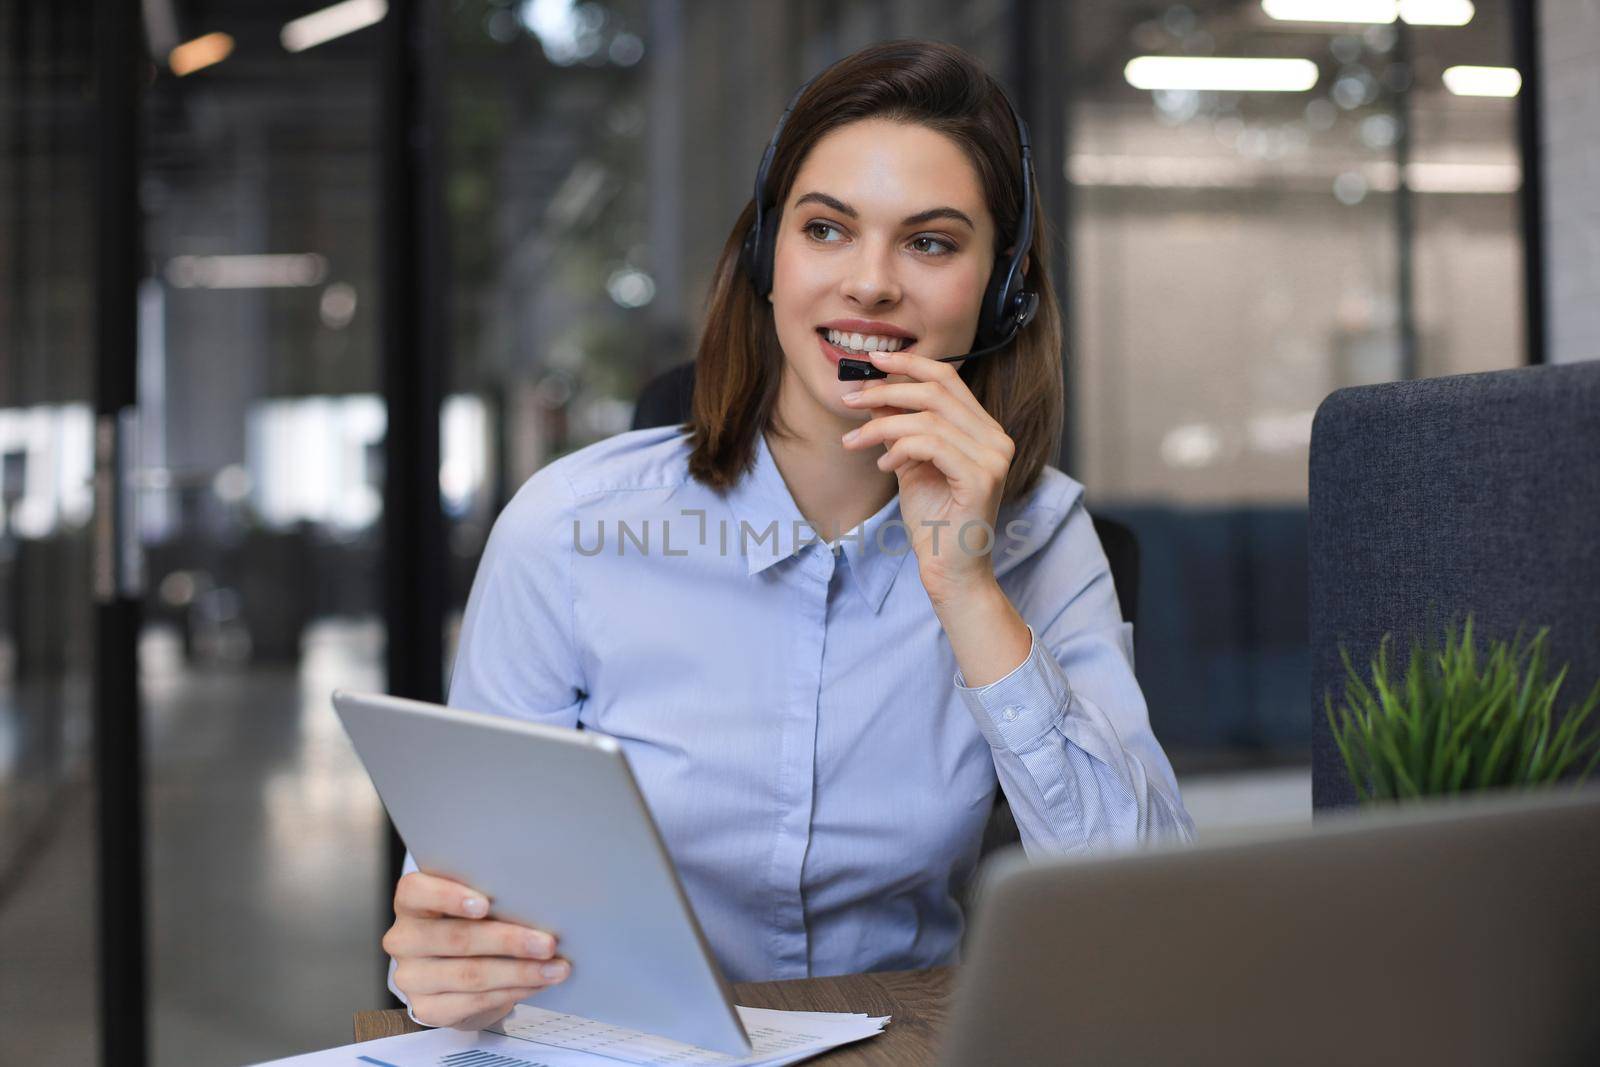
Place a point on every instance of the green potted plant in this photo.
(1460, 720)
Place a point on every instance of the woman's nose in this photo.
(870, 277)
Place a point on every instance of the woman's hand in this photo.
(455, 965)
(951, 459)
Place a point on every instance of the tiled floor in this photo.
(47, 1005)
(265, 855)
(264, 884)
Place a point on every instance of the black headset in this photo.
(1007, 305)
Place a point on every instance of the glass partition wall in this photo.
(261, 518)
(47, 341)
(1296, 206)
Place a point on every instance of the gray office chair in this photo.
(1431, 499)
(665, 401)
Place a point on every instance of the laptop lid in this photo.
(1459, 933)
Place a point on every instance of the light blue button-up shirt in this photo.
(792, 709)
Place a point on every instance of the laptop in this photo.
(1457, 933)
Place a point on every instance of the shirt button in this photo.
(1011, 713)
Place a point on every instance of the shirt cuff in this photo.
(1019, 709)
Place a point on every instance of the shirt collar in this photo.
(771, 529)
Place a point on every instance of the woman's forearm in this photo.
(988, 636)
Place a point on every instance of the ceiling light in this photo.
(1424, 177)
(1358, 11)
(199, 53)
(319, 27)
(1483, 81)
(1376, 12)
(1221, 74)
(283, 271)
(1437, 12)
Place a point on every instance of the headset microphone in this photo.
(1008, 305)
(860, 370)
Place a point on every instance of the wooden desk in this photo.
(918, 1000)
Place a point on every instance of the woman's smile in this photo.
(849, 348)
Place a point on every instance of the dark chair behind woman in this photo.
(665, 401)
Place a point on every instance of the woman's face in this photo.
(885, 234)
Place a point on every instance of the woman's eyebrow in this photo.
(910, 220)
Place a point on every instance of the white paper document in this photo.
(534, 1037)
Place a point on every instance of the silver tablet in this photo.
(551, 825)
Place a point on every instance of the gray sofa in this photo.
(1430, 499)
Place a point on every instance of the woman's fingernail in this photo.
(554, 971)
(851, 436)
(476, 907)
(539, 945)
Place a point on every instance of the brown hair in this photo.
(739, 363)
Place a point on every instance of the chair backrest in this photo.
(1431, 499)
(666, 399)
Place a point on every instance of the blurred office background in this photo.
(1229, 256)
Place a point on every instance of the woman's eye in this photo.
(926, 244)
(944, 248)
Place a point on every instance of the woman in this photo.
(819, 726)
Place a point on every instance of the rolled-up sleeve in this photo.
(1068, 728)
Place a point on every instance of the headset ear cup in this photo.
(992, 316)
(747, 256)
(1026, 304)
(756, 254)
(766, 250)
